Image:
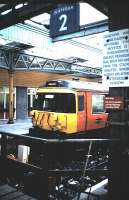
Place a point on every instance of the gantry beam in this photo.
(85, 30)
(34, 34)
(36, 63)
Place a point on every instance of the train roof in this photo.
(73, 84)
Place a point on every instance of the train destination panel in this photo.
(116, 59)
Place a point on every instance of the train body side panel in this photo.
(95, 120)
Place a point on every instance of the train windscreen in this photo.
(55, 102)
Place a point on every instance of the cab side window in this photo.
(97, 103)
(81, 103)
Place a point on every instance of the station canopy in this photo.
(84, 50)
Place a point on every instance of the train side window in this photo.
(97, 103)
(81, 103)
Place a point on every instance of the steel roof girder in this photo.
(22, 61)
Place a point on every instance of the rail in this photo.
(54, 150)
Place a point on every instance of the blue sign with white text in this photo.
(65, 20)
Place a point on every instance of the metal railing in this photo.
(48, 146)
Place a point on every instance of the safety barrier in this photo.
(36, 175)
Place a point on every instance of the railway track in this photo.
(76, 181)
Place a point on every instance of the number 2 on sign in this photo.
(63, 18)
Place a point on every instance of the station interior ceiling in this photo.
(12, 13)
(32, 8)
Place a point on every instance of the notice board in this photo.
(115, 72)
(114, 103)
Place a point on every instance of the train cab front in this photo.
(55, 111)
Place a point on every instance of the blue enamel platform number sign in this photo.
(64, 20)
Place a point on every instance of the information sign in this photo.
(65, 20)
(114, 103)
(116, 59)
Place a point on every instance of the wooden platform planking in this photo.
(9, 193)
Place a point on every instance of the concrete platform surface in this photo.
(18, 127)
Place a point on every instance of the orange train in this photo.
(69, 107)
